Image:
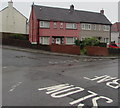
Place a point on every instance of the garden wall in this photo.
(97, 51)
(69, 49)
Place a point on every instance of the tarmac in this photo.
(56, 54)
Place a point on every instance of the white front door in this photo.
(58, 41)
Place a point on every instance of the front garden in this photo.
(93, 47)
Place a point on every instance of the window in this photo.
(106, 28)
(106, 40)
(70, 40)
(44, 40)
(44, 24)
(61, 25)
(86, 26)
(83, 26)
(94, 27)
(71, 26)
(55, 25)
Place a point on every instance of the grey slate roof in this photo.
(60, 14)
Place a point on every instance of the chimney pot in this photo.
(71, 8)
(102, 12)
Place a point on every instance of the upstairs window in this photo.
(71, 26)
(106, 28)
(55, 25)
(44, 24)
(94, 27)
(61, 25)
(86, 26)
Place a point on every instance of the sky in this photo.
(110, 6)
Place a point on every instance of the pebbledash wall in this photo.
(36, 31)
(12, 21)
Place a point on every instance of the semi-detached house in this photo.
(49, 25)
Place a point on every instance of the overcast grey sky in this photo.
(110, 6)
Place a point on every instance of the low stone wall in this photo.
(97, 51)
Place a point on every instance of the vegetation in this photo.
(19, 36)
(87, 42)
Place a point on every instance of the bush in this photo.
(18, 36)
(91, 42)
(87, 42)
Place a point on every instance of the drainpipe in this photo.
(38, 33)
(110, 35)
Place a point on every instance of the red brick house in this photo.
(49, 25)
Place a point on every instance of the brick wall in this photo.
(69, 49)
(97, 51)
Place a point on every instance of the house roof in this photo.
(115, 27)
(16, 10)
(61, 14)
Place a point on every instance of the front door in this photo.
(58, 41)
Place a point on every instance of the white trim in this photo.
(45, 24)
(86, 26)
(33, 42)
(71, 26)
(72, 40)
(106, 28)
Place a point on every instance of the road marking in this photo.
(92, 94)
(14, 86)
(64, 90)
(110, 81)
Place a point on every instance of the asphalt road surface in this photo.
(31, 79)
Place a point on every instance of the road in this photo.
(31, 79)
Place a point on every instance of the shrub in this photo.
(90, 42)
(87, 42)
(18, 36)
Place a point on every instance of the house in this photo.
(12, 20)
(50, 25)
(115, 32)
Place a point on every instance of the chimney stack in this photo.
(10, 4)
(71, 8)
(102, 12)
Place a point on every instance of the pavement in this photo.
(57, 54)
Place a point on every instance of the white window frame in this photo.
(71, 42)
(86, 26)
(54, 24)
(42, 40)
(71, 26)
(106, 28)
(83, 26)
(43, 24)
(94, 27)
(106, 40)
(61, 25)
